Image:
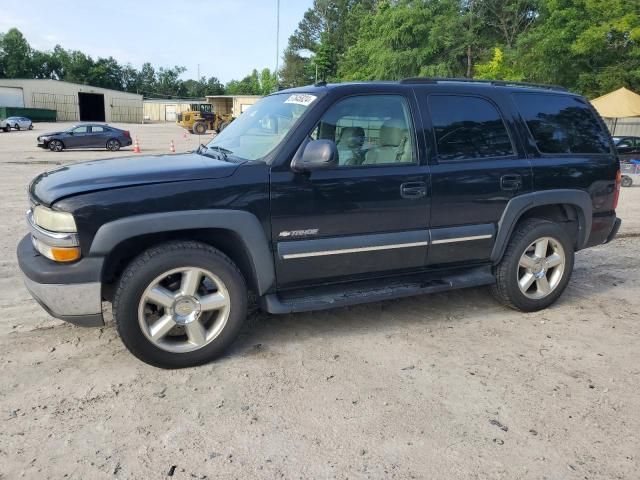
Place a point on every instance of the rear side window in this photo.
(468, 128)
(562, 124)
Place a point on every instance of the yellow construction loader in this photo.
(201, 118)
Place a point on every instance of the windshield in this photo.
(262, 127)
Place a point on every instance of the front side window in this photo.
(468, 128)
(369, 130)
(259, 130)
(562, 124)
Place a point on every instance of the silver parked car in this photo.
(20, 123)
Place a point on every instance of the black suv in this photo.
(326, 196)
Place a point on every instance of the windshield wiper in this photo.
(222, 152)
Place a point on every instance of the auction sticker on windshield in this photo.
(301, 99)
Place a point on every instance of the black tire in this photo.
(31, 126)
(626, 181)
(142, 271)
(56, 146)
(7, 128)
(17, 127)
(113, 144)
(506, 289)
(199, 128)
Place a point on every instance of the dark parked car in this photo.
(20, 123)
(87, 135)
(628, 147)
(326, 196)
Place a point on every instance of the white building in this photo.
(72, 101)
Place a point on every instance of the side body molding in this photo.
(520, 204)
(244, 224)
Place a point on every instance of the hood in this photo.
(96, 175)
(49, 134)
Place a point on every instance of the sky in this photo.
(228, 38)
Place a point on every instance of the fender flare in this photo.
(244, 224)
(519, 205)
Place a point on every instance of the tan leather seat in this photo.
(394, 145)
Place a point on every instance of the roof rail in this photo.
(498, 83)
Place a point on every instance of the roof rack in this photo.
(497, 83)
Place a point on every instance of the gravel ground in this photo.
(442, 386)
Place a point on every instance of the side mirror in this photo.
(71, 132)
(315, 155)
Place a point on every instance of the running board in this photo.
(365, 291)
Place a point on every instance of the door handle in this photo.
(413, 190)
(511, 182)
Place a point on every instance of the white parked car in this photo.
(19, 123)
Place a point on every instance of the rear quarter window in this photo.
(562, 124)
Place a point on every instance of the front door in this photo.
(477, 166)
(368, 215)
(79, 137)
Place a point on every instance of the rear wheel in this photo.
(199, 128)
(113, 145)
(536, 266)
(7, 128)
(56, 146)
(31, 126)
(180, 304)
(626, 181)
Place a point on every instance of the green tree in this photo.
(16, 59)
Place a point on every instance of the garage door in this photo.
(11, 97)
(170, 113)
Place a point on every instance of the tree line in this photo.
(588, 46)
(19, 60)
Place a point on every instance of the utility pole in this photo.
(198, 72)
(277, 40)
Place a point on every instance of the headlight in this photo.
(54, 220)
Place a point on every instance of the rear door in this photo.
(98, 137)
(369, 215)
(477, 166)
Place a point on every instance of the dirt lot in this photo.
(442, 386)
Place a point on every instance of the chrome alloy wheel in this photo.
(184, 309)
(541, 267)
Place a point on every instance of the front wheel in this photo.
(180, 304)
(536, 266)
(17, 127)
(56, 146)
(199, 128)
(626, 181)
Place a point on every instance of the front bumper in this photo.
(70, 292)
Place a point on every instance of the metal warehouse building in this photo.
(162, 110)
(167, 110)
(71, 101)
(234, 104)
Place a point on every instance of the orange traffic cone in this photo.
(172, 147)
(136, 146)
